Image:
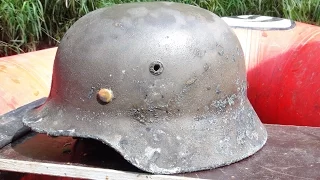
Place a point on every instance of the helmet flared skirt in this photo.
(163, 146)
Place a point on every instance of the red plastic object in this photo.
(283, 71)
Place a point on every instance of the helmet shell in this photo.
(176, 77)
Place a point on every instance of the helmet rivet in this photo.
(156, 68)
(105, 95)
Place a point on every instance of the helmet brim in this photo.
(177, 145)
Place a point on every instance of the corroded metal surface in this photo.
(178, 80)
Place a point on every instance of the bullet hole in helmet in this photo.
(156, 68)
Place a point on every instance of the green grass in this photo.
(302, 10)
(27, 25)
(21, 25)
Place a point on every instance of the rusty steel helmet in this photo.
(164, 84)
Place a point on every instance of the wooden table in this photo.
(291, 152)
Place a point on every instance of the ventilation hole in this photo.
(156, 68)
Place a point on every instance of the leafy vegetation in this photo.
(27, 25)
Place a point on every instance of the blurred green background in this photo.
(28, 25)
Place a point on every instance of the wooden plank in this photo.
(73, 171)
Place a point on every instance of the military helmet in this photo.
(164, 84)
